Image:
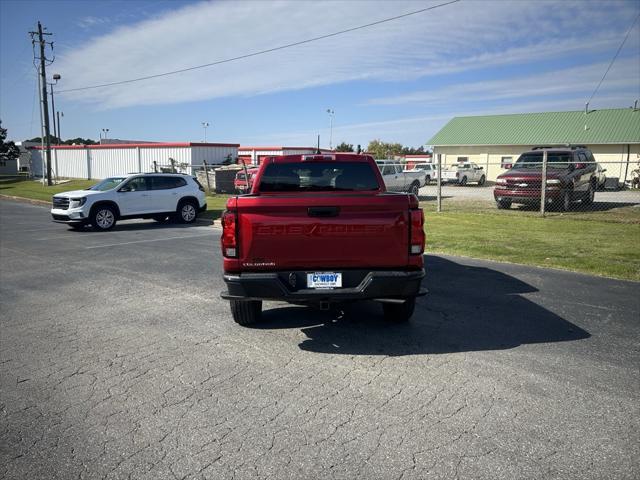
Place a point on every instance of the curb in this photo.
(26, 200)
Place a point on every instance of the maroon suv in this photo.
(570, 177)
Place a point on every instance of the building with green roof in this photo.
(493, 141)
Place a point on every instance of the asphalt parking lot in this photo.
(119, 360)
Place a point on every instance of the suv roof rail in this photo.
(566, 145)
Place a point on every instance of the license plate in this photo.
(324, 280)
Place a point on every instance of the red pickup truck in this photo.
(244, 179)
(320, 230)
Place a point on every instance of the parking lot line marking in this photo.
(147, 241)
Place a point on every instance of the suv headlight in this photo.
(77, 202)
(553, 181)
(501, 181)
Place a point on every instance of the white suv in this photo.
(160, 196)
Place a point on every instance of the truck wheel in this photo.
(503, 204)
(246, 312)
(427, 180)
(481, 181)
(187, 211)
(414, 188)
(399, 312)
(463, 181)
(103, 218)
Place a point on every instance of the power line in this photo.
(613, 59)
(261, 52)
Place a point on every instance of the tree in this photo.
(72, 141)
(53, 140)
(8, 150)
(79, 141)
(413, 151)
(381, 150)
(344, 147)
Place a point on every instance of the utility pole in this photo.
(45, 102)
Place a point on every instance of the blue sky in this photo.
(400, 81)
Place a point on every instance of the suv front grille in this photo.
(524, 184)
(61, 203)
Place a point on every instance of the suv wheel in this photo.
(427, 180)
(565, 201)
(187, 211)
(246, 312)
(481, 181)
(588, 200)
(103, 218)
(503, 204)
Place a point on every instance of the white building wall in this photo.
(212, 155)
(108, 162)
(162, 156)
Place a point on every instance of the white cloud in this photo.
(462, 36)
(91, 21)
(623, 78)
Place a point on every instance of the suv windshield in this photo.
(318, 177)
(534, 160)
(107, 184)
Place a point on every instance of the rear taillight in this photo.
(229, 234)
(416, 243)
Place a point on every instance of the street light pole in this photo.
(331, 114)
(205, 125)
(104, 137)
(58, 114)
(56, 77)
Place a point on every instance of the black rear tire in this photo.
(399, 312)
(463, 182)
(503, 204)
(246, 312)
(414, 188)
(481, 181)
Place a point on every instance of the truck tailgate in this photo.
(323, 231)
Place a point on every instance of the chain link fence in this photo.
(553, 186)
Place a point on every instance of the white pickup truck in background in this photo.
(396, 179)
(464, 173)
(430, 171)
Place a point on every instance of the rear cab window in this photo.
(318, 177)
